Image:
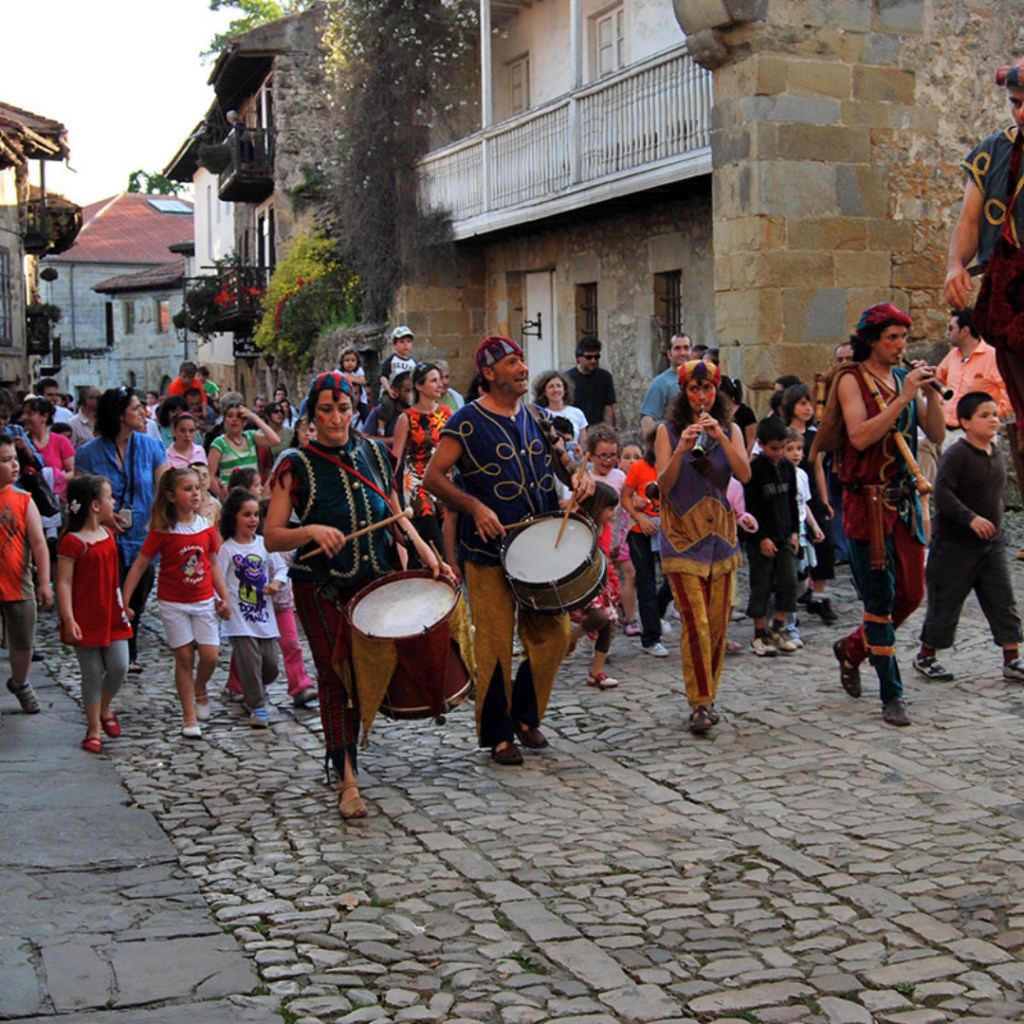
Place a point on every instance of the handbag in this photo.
(999, 310)
(41, 493)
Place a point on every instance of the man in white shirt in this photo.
(49, 389)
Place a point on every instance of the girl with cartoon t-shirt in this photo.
(253, 577)
(190, 592)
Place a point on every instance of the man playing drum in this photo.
(871, 418)
(507, 475)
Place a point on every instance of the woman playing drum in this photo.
(337, 484)
(699, 553)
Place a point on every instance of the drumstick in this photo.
(572, 501)
(404, 514)
(437, 554)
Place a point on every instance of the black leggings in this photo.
(596, 621)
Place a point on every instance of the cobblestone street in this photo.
(805, 862)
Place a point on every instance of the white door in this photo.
(539, 336)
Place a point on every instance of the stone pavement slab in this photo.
(97, 911)
(803, 862)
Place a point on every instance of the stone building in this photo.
(109, 335)
(33, 222)
(825, 179)
(143, 350)
(838, 128)
(581, 203)
(272, 80)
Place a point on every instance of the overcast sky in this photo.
(124, 76)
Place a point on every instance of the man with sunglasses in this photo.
(593, 386)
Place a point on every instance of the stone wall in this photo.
(839, 125)
(12, 347)
(455, 301)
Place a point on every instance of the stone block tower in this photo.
(838, 128)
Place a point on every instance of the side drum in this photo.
(554, 580)
(411, 646)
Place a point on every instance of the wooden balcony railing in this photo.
(646, 116)
(249, 177)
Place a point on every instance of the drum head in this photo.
(531, 555)
(405, 607)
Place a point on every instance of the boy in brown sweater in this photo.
(968, 548)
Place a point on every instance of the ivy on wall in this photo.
(397, 66)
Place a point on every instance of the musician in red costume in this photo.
(881, 508)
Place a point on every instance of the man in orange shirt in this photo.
(970, 365)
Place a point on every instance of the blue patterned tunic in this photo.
(506, 463)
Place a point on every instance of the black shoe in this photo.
(38, 655)
(805, 597)
(822, 607)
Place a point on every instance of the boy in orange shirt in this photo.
(21, 540)
(640, 500)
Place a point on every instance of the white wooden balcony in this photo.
(643, 127)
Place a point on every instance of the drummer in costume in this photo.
(983, 231)
(699, 552)
(336, 484)
(507, 475)
(881, 507)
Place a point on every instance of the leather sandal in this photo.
(700, 720)
(353, 806)
(530, 736)
(507, 754)
(849, 674)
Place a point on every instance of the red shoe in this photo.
(111, 726)
(602, 681)
(93, 744)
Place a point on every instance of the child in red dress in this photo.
(92, 613)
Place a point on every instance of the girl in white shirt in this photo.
(253, 577)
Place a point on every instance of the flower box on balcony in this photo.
(52, 227)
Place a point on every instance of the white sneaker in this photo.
(666, 624)
(658, 650)
(763, 647)
(783, 642)
(1015, 670)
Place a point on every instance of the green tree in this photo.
(154, 184)
(253, 14)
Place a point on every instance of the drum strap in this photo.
(348, 469)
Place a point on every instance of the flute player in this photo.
(871, 418)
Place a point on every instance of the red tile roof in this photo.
(127, 228)
(164, 276)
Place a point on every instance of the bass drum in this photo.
(411, 647)
(554, 580)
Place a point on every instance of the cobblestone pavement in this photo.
(805, 862)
